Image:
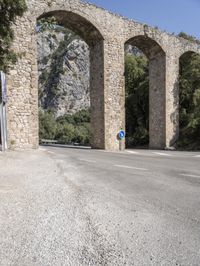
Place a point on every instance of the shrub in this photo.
(47, 125)
(67, 129)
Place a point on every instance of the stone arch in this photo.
(157, 88)
(187, 52)
(92, 36)
(147, 45)
(77, 23)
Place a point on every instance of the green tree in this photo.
(66, 129)
(137, 100)
(82, 116)
(189, 82)
(189, 101)
(47, 125)
(65, 133)
(9, 11)
(83, 134)
(78, 128)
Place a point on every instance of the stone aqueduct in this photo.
(106, 35)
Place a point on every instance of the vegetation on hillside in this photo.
(189, 101)
(9, 11)
(137, 100)
(67, 129)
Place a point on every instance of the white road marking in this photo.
(197, 156)
(87, 161)
(187, 175)
(133, 152)
(162, 154)
(130, 167)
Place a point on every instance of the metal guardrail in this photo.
(49, 141)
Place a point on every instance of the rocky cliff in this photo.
(63, 63)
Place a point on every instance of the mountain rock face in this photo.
(63, 64)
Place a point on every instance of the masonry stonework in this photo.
(106, 34)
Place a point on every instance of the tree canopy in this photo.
(9, 11)
(137, 100)
(189, 101)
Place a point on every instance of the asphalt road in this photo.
(66, 206)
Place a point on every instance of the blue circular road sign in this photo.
(122, 134)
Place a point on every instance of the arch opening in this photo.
(71, 87)
(145, 93)
(137, 97)
(189, 101)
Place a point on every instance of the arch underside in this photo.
(147, 45)
(78, 24)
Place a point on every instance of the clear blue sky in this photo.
(170, 15)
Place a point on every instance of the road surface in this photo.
(67, 206)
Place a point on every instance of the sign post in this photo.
(3, 118)
(121, 137)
